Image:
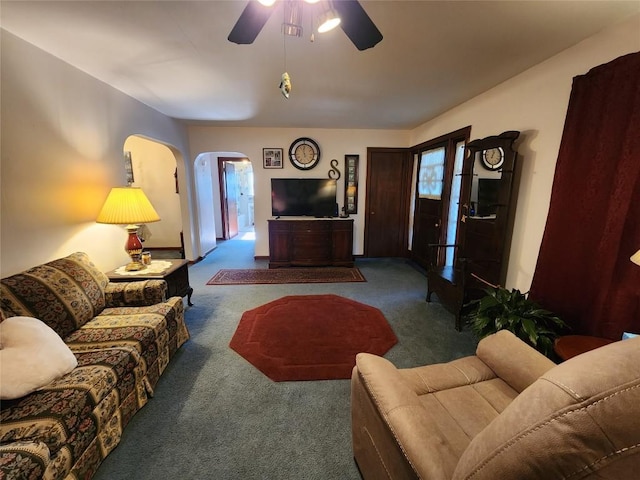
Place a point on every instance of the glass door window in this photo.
(431, 174)
(454, 203)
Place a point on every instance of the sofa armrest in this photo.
(135, 294)
(512, 360)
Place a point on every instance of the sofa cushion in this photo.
(31, 356)
(581, 419)
(64, 293)
(155, 331)
(85, 409)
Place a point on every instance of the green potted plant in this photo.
(502, 309)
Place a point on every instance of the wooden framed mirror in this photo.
(489, 177)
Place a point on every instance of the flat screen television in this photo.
(297, 197)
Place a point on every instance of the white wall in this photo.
(333, 144)
(535, 103)
(154, 168)
(206, 203)
(63, 134)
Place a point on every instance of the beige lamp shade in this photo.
(635, 258)
(127, 205)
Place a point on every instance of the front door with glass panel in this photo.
(429, 204)
(437, 209)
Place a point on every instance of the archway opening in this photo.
(154, 169)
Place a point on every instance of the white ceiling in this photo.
(174, 56)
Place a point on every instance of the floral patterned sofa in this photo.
(122, 336)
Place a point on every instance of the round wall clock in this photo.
(492, 158)
(304, 153)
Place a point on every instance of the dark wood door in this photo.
(427, 228)
(439, 181)
(389, 173)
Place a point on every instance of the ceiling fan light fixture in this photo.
(292, 30)
(329, 20)
(292, 25)
(267, 3)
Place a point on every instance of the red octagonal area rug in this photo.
(311, 337)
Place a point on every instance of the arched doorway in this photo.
(154, 169)
(211, 197)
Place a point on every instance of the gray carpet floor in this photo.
(214, 416)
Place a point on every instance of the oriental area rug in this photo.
(311, 337)
(286, 275)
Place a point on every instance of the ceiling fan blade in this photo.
(252, 19)
(356, 24)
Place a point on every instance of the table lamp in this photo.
(635, 258)
(129, 206)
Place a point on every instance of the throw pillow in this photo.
(31, 356)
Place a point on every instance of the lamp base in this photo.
(134, 248)
(135, 266)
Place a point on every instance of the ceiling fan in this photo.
(354, 21)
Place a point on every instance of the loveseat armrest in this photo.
(512, 360)
(135, 294)
(392, 431)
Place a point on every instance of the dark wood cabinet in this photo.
(485, 224)
(312, 242)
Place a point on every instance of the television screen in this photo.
(303, 197)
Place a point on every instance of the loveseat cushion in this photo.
(64, 293)
(418, 422)
(435, 408)
(579, 420)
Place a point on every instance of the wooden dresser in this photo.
(310, 242)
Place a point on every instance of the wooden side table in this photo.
(176, 274)
(571, 345)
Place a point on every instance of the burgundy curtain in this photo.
(583, 272)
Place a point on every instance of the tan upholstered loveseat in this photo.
(119, 338)
(507, 413)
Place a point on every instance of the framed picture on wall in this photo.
(272, 158)
(351, 183)
(128, 167)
